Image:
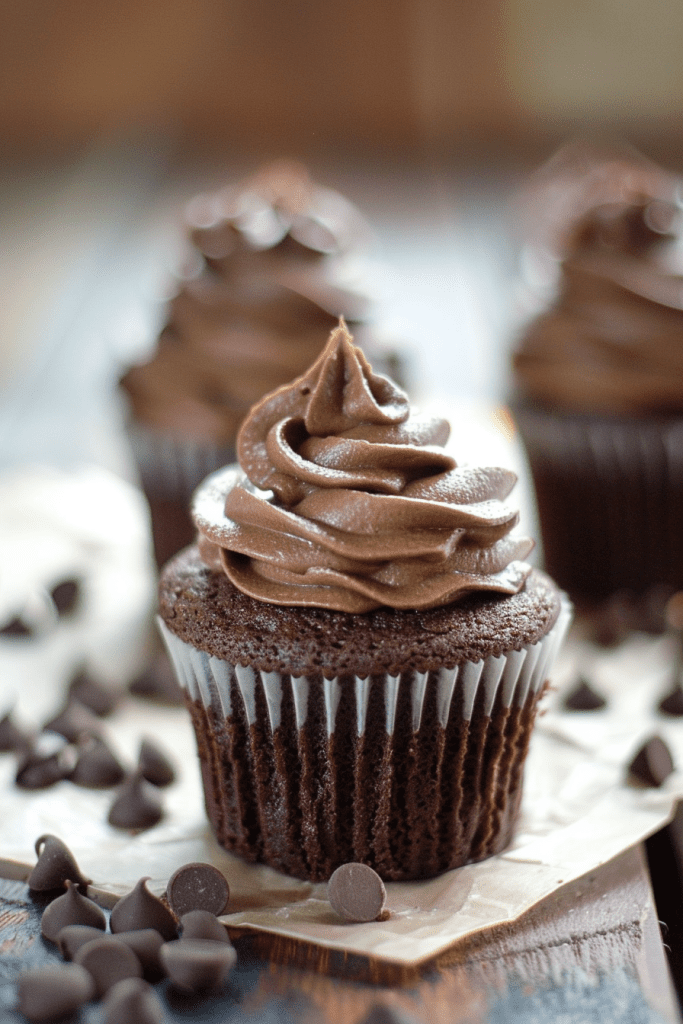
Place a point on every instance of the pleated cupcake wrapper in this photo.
(413, 773)
(509, 677)
(172, 467)
(610, 499)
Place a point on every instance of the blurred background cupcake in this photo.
(272, 271)
(599, 375)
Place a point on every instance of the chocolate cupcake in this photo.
(599, 378)
(361, 644)
(269, 281)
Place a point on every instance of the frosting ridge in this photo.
(345, 499)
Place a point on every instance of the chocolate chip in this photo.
(108, 961)
(146, 943)
(584, 698)
(65, 596)
(653, 763)
(132, 1001)
(383, 1014)
(16, 627)
(202, 924)
(153, 764)
(672, 704)
(140, 909)
(73, 721)
(71, 908)
(197, 887)
(97, 767)
(137, 805)
(356, 892)
(11, 737)
(73, 936)
(198, 965)
(47, 759)
(56, 863)
(92, 695)
(51, 993)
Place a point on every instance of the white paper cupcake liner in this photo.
(510, 677)
(414, 773)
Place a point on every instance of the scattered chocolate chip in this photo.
(16, 627)
(198, 965)
(158, 683)
(197, 887)
(153, 764)
(11, 737)
(51, 993)
(653, 763)
(71, 908)
(356, 892)
(202, 924)
(672, 704)
(584, 698)
(92, 695)
(108, 961)
(97, 766)
(132, 1001)
(73, 721)
(380, 1013)
(146, 943)
(65, 596)
(140, 909)
(137, 805)
(73, 936)
(56, 863)
(47, 759)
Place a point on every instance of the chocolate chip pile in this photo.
(148, 940)
(71, 746)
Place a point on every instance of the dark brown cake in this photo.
(411, 803)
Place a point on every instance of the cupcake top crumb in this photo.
(203, 608)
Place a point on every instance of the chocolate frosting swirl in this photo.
(346, 500)
(272, 283)
(610, 341)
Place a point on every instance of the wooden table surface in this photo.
(593, 952)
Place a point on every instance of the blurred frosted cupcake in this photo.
(361, 643)
(599, 377)
(272, 274)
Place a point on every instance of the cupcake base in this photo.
(412, 770)
(610, 500)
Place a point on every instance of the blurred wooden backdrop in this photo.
(386, 74)
(313, 72)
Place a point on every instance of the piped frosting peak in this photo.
(346, 500)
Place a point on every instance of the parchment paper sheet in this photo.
(578, 811)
